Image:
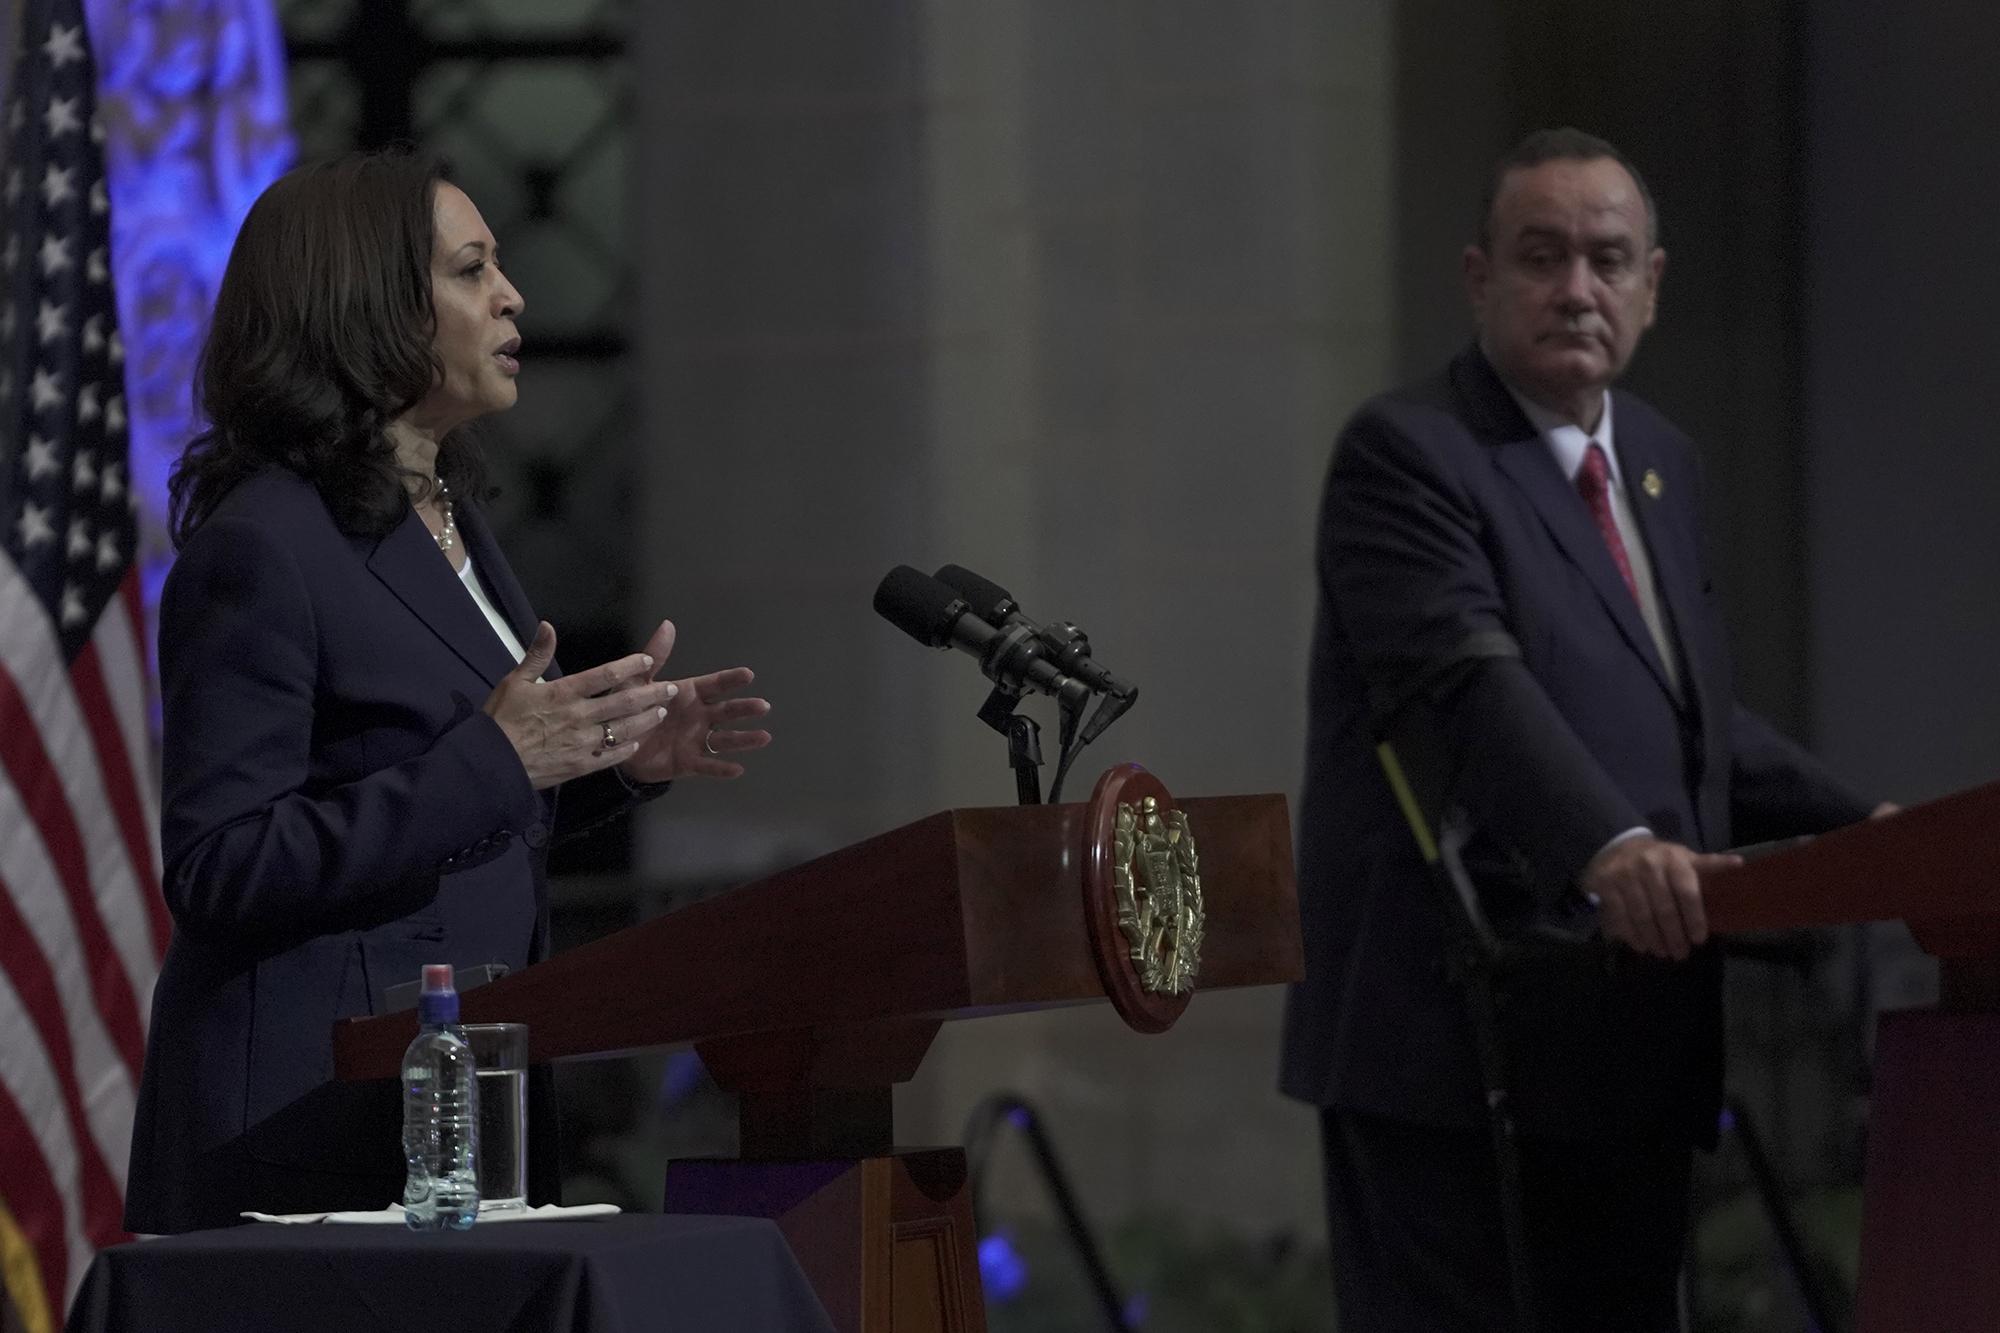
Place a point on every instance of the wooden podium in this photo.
(1930, 1232)
(810, 994)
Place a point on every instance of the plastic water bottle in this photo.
(440, 1113)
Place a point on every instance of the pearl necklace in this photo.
(447, 538)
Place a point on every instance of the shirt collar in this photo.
(1568, 441)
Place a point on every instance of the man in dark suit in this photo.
(1513, 596)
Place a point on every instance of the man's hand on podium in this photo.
(1648, 893)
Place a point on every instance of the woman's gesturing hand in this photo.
(697, 737)
(577, 724)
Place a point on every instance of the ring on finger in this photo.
(610, 737)
(708, 744)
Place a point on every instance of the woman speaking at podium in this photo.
(368, 748)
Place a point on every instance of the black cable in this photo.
(1008, 1108)
(1069, 748)
(1820, 1308)
(1062, 771)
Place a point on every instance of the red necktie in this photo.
(1593, 482)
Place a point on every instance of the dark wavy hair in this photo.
(322, 335)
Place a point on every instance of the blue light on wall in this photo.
(1002, 1270)
(191, 99)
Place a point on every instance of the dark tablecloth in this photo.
(602, 1275)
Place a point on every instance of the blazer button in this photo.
(537, 834)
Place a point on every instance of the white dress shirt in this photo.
(470, 578)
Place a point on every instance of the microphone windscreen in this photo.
(988, 600)
(918, 605)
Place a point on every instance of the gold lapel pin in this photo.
(1655, 487)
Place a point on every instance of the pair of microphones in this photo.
(956, 608)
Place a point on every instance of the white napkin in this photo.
(548, 1212)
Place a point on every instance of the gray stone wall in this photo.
(1904, 473)
(1074, 294)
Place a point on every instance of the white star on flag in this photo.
(80, 544)
(17, 115)
(114, 482)
(7, 322)
(46, 391)
(117, 348)
(10, 255)
(64, 44)
(93, 334)
(51, 322)
(86, 404)
(33, 525)
(13, 190)
(114, 415)
(41, 458)
(83, 472)
(108, 554)
(61, 117)
(72, 607)
(55, 254)
(58, 185)
(100, 202)
(98, 266)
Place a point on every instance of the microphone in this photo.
(935, 615)
(1063, 643)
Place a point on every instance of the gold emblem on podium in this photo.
(1157, 878)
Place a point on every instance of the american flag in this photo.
(82, 924)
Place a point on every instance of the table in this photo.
(601, 1275)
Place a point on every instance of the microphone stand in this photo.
(1024, 741)
(1005, 661)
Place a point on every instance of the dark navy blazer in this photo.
(338, 811)
(1468, 606)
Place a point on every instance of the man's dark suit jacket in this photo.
(1470, 610)
(338, 811)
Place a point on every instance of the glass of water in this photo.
(500, 1055)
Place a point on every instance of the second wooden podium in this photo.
(1931, 1191)
(810, 994)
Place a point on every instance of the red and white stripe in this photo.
(82, 923)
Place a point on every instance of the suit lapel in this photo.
(410, 564)
(1523, 457)
(1675, 567)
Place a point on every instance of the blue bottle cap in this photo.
(437, 1002)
